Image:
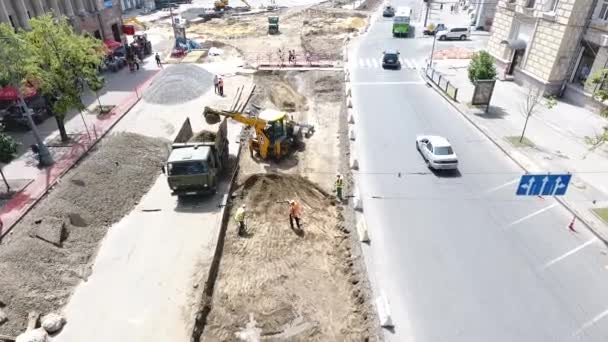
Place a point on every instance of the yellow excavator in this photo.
(221, 5)
(275, 134)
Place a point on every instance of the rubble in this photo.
(52, 323)
(36, 335)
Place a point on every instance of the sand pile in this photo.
(284, 284)
(178, 84)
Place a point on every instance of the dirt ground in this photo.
(282, 284)
(319, 30)
(37, 275)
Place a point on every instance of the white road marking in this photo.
(386, 83)
(368, 63)
(361, 63)
(401, 61)
(565, 255)
(532, 215)
(409, 63)
(416, 66)
(375, 63)
(591, 322)
(502, 186)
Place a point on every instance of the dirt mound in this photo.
(179, 83)
(284, 284)
(204, 136)
(37, 275)
(328, 87)
(284, 97)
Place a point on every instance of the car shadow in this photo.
(446, 173)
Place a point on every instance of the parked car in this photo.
(461, 33)
(390, 59)
(437, 152)
(389, 11)
(437, 28)
(13, 118)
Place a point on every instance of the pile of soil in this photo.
(204, 136)
(284, 97)
(178, 84)
(37, 275)
(287, 284)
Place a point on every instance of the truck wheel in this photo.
(463, 37)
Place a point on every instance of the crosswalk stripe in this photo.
(416, 65)
(368, 62)
(401, 61)
(409, 63)
(375, 63)
(361, 63)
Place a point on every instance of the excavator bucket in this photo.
(211, 117)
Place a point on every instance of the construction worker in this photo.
(239, 217)
(339, 186)
(295, 213)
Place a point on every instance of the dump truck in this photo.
(197, 161)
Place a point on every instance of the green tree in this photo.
(600, 94)
(67, 61)
(96, 84)
(8, 151)
(482, 67)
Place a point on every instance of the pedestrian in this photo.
(295, 213)
(220, 85)
(339, 187)
(216, 83)
(239, 217)
(451, 8)
(158, 62)
(441, 7)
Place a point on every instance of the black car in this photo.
(13, 118)
(389, 11)
(390, 59)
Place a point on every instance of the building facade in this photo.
(100, 18)
(128, 5)
(557, 45)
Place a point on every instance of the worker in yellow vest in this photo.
(239, 217)
(339, 187)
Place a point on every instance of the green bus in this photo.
(401, 22)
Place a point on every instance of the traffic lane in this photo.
(383, 116)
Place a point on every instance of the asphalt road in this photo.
(459, 256)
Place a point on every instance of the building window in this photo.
(586, 63)
(29, 15)
(10, 17)
(97, 34)
(604, 11)
(116, 33)
(530, 3)
(551, 5)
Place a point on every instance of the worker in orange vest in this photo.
(295, 213)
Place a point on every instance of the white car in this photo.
(462, 33)
(437, 152)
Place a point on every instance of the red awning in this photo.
(9, 93)
(112, 44)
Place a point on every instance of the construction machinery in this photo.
(273, 24)
(276, 135)
(221, 5)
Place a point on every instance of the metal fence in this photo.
(442, 82)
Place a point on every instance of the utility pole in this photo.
(172, 20)
(426, 16)
(432, 50)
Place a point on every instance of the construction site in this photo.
(273, 282)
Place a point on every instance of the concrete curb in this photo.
(76, 161)
(204, 304)
(590, 225)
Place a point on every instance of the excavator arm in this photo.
(214, 116)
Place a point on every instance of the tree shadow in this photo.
(494, 112)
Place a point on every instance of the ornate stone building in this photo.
(554, 44)
(100, 18)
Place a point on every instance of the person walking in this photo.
(295, 213)
(216, 82)
(158, 62)
(239, 217)
(220, 86)
(339, 187)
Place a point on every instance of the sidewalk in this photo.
(122, 90)
(557, 139)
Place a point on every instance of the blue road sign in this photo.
(543, 185)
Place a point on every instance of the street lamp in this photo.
(432, 51)
(46, 159)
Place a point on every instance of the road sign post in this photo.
(543, 185)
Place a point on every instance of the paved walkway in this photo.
(122, 90)
(558, 138)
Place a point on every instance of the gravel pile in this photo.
(37, 275)
(178, 84)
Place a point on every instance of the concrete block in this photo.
(354, 163)
(3, 317)
(362, 231)
(349, 103)
(349, 92)
(347, 77)
(351, 117)
(384, 311)
(357, 201)
(51, 230)
(351, 133)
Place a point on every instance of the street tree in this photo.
(481, 67)
(531, 104)
(8, 151)
(67, 62)
(96, 84)
(601, 94)
(19, 68)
